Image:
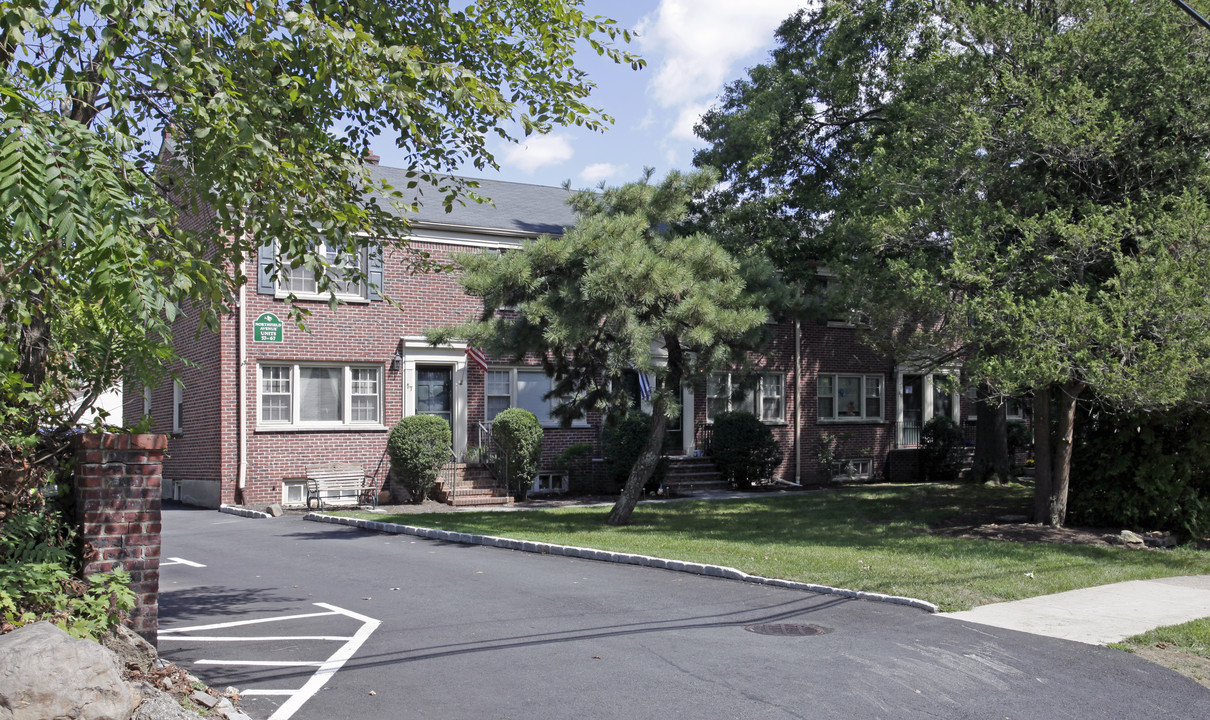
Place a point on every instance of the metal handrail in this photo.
(452, 465)
(493, 454)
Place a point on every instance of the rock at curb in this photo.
(204, 699)
(159, 705)
(274, 510)
(132, 650)
(1124, 538)
(46, 673)
(1160, 539)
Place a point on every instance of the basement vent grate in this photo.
(787, 629)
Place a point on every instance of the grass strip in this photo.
(873, 538)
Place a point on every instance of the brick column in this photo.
(117, 480)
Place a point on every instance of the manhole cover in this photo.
(787, 629)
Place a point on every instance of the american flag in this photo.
(477, 356)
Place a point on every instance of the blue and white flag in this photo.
(644, 386)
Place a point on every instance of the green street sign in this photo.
(267, 328)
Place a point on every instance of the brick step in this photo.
(687, 486)
(480, 500)
(488, 482)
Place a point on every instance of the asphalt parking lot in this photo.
(320, 621)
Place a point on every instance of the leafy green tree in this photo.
(1021, 185)
(624, 289)
(268, 109)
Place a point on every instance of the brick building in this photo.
(262, 399)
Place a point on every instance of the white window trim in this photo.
(549, 476)
(855, 474)
(296, 425)
(880, 418)
(353, 298)
(417, 350)
(757, 400)
(927, 400)
(286, 484)
(551, 421)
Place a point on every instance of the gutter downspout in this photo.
(241, 361)
(797, 401)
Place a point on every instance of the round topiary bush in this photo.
(520, 434)
(621, 444)
(941, 443)
(419, 445)
(744, 449)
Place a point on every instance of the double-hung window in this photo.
(301, 281)
(763, 395)
(524, 388)
(303, 395)
(849, 397)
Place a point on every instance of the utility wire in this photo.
(1192, 13)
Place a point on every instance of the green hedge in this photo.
(744, 449)
(621, 444)
(941, 444)
(419, 445)
(1145, 471)
(520, 434)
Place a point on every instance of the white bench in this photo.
(330, 483)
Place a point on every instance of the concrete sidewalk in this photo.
(1101, 615)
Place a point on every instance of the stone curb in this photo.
(242, 512)
(719, 571)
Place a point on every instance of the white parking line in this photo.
(326, 668)
(181, 561)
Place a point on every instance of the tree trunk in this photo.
(653, 448)
(991, 438)
(1042, 456)
(1064, 422)
(1054, 423)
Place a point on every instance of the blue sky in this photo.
(692, 47)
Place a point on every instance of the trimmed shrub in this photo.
(744, 449)
(621, 444)
(520, 434)
(941, 444)
(1144, 471)
(419, 445)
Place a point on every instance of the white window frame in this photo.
(549, 482)
(295, 423)
(857, 469)
(550, 421)
(178, 407)
(758, 396)
(300, 485)
(282, 281)
(865, 378)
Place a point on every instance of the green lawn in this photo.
(1191, 637)
(868, 538)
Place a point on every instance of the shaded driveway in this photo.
(477, 632)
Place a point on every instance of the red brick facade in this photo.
(204, 458)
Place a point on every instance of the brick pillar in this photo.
(117, 480)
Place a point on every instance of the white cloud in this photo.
(686, 117)
(597, 172)
(538, 151)
(699, 41)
